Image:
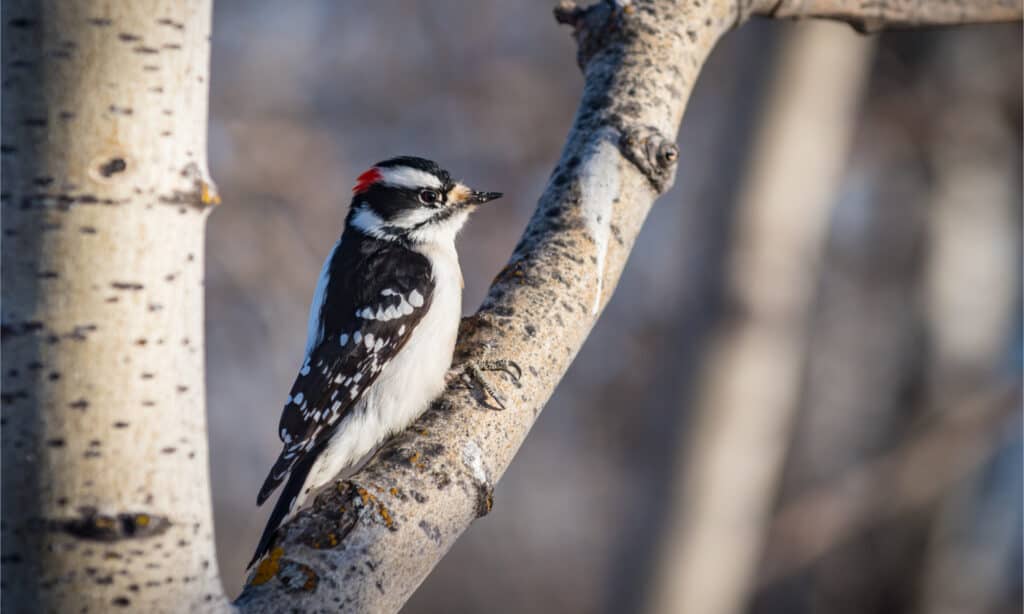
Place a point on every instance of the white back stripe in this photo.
(314, 331)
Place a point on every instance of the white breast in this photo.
(405, 388)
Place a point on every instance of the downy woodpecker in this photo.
(382, 327)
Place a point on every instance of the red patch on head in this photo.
(364, 181)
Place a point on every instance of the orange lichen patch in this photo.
(422, 431)
(393, 491)
(208, 194)
(298, 576)
(329, 541)
(365, 495)
(268, 567)
(415, 457)
(368, 499)
(311, 578)
(142, 520)
(385, 516)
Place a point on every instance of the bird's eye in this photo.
(428, 197)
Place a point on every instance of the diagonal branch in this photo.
(386, 528)
(367, 545)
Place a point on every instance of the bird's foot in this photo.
(472, 376)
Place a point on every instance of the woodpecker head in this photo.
(413, 200)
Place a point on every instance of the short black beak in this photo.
(479, 198)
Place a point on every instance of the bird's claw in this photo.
(472, 376)
(504, 365)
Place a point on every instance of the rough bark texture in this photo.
(106, 501)
(367, 545)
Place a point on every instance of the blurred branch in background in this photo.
(882, 378)
(872, 16)
(725, 485)
(923, 468)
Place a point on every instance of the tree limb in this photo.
(871, 16)
(367, 545)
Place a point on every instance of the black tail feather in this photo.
(291, 491)
(277, 473)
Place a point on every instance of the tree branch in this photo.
(871, 16)
(367, 545)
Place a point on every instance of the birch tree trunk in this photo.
(106, 501)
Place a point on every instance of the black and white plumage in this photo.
(382, 327)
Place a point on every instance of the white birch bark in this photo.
(106, 501)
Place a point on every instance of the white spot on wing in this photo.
(415, 299)
(343, 339)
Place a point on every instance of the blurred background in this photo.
(805, 394)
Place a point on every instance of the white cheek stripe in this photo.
(369, 223)
(407, 177)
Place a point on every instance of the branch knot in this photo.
(654, 154)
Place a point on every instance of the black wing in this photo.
(369, 312)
